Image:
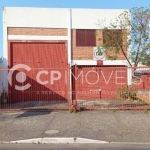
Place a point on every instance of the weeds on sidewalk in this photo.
(145, 111)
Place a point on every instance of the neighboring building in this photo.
(1, 73)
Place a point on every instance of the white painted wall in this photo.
(93, 62)
(57, 17)
(36, 17)
(89, 18)
(32, 37)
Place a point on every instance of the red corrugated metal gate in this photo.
(48, 64)
(106, 87)
(98, 82)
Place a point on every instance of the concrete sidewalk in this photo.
(119, 126)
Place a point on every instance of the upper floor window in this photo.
(112, 37)
(85, 37)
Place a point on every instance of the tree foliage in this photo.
(129, 34)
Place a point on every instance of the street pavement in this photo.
(110, 126)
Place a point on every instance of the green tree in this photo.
(146, 61)
(129, 34)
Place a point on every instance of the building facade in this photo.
(55, 38)
(75, 26)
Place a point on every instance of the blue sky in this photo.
(100, 4)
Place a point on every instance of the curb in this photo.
(72, 140)
(127, 143)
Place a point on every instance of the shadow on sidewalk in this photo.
(33, 113)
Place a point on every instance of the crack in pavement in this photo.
(51, 120)
(2, 130)
(118, 120)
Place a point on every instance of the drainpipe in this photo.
(69, 49)
(5, 49)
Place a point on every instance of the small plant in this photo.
(113, 111)
(140, 101)
(145, 111)
(71, 110)
(127, 92)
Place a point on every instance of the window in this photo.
(85, 37)
(112, 37)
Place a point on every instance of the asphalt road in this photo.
(118, 146)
